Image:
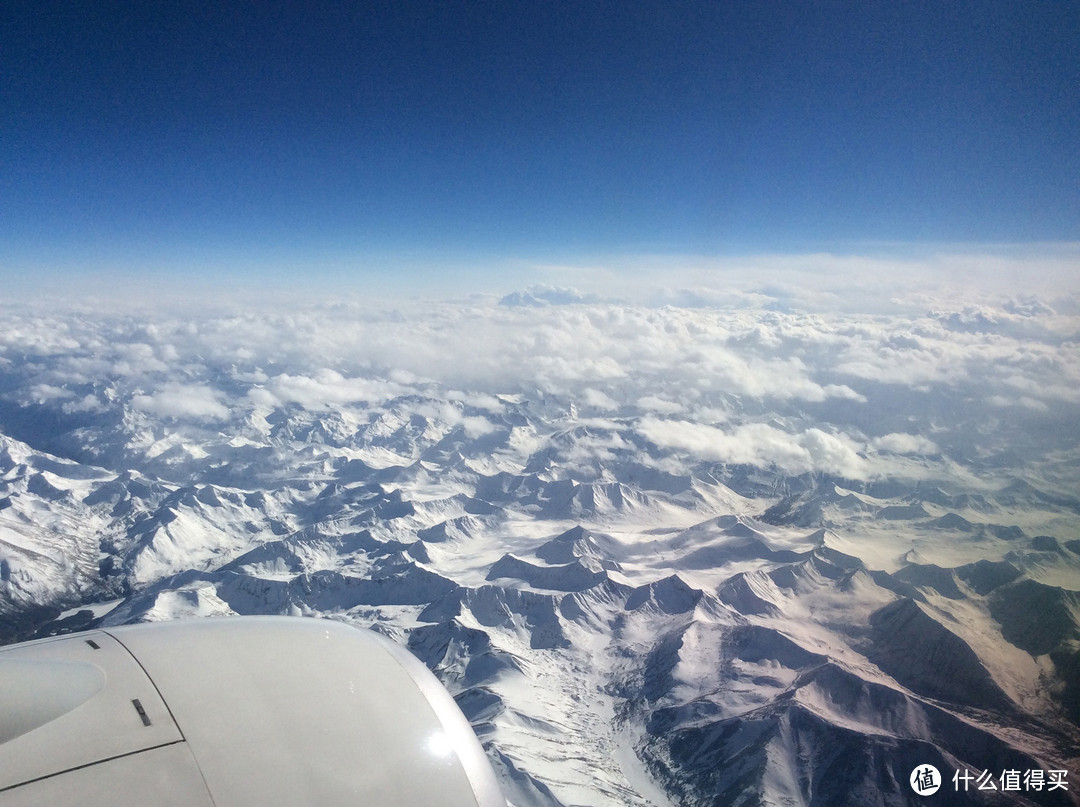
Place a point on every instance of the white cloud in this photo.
(175, 400)
(539, 296)
(599, 400)
(261, 396)
(835, 453)
(325, 387)
(662, 406)
(759, 444)
(89, 403)
(756, 372)
(903, 443)
(40, 393)
(1033, 403)
(477, 400)
(477, 427)
(893, 278)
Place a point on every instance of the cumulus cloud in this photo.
(176, 400)
(662, 406)
(759, 444)
(1025, 401)
(40, 393)
(597, 399)
(902, 443)
(88, 403)
(539, 296)
(322, 388)
(477, 427)
(477, 400)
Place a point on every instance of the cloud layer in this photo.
(857, 395)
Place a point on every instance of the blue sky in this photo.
(270, 138)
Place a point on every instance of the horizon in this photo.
(880, 277)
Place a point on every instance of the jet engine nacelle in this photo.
(232, 711)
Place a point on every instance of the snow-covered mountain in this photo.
(771, 571)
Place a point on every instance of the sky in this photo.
(276, 140)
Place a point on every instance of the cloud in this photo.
(323, 388)
(175, 400)
(40, 393)
(597, 399)
(88, 403)
(540, 296)
(476, 400)
(477, 427)
(902, 443)
(661, 406)
(873, 279)
(759, 444)
(760, 373)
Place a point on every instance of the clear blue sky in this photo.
(246, 133)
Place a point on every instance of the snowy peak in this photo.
(636, 600)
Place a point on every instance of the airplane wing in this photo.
(232, 711)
